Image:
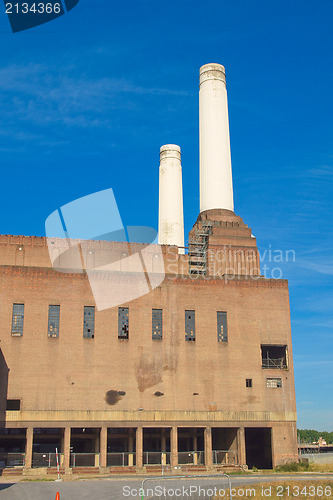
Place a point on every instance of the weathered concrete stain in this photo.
(148, 372)
(113, 397)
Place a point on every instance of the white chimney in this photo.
(171, 217)
(215, 162)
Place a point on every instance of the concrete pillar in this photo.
(171, 216)
(130, 447)
(67, 448)
(174, 446)
(96, 448)
(139, 447)
(216, 189)
(163, 445)
(103, 446)
(208, 447)
(241, 446)
(195, 447)
(29, 438)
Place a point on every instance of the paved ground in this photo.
(114, 489)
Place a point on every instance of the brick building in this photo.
(196, 372)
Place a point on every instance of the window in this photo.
(17, 320)
(54, 319)
(13, 405)
(273, 383)
(89, 322)
(157, 329)
(274, 356)
(123, 323)
(249, 382)
(190, 326)
(222, 333)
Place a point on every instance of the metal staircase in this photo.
(197, 251)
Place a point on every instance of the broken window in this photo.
(274, 383)
(54, 319)
(249, 382)
(17, 320)
(157, 324)
(89, 322)
(190, 326)
(274, 356)
(123, 323)
(13, 405)
(222, 333)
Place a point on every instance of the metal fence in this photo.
(44, 460)
(11, 460)
(156, 458)
(203, 487)
(191, 457)
(121, 459)
(225, 457)
(83, 459)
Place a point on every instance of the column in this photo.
(174, 446)
(163, 446)
(67, 447)
(139, 446)
(96, 447)
(208, 447)
(130, 447)
(241, 446)
(195, 447)
(28, 447)
(103, 446)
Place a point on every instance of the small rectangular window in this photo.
(157, 326)
(13, 405)
(274, 356)
(273, 383)
(222, 333)
(17, 320)
(249, 382)
(89, 322)
(190, 326)
(54, 320)
(123, 323)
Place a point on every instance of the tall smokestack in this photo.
(215, 162)
(171, 217)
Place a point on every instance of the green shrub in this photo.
(292, 467)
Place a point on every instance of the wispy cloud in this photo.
(48, 95)
(319, 267)
(313, 363)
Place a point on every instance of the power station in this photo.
(196, 370)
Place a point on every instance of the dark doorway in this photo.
(224, 441)
(258, 447)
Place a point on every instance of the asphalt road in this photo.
(114, 489)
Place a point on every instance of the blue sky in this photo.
(87, 100)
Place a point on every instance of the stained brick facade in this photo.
(144, 383)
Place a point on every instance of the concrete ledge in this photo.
(41, 471)
(146, 416)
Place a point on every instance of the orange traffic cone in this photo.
(57, 496)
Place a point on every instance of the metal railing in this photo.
(156, 458)
(191, 457)
(11, 460)
(225, 457)
(274, 363)
(121, 459)
(84, 459)
(44, 460)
